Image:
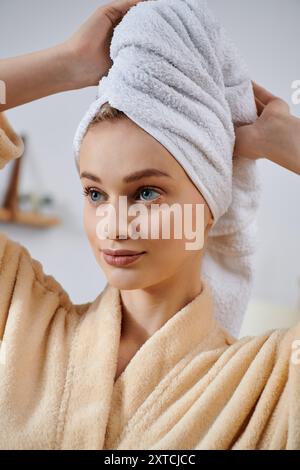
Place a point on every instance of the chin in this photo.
(125, 280)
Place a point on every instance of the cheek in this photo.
(89, 223)
(168, 252)
(166, 258)
(180, 225)
(183, 237)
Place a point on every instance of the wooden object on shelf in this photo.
(10, 211)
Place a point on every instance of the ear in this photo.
(209, 221)
(209, 216)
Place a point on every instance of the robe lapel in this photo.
(91, 373)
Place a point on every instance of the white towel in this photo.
(178, 76)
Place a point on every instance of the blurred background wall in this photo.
(267, 34)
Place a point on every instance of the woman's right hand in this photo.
(275, 134)
(89, 45)
(78, 62)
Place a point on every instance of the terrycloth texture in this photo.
(190, 386)
(178, 76)
(11, 144)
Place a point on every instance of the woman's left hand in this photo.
(275, 135)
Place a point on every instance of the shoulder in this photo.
(27, 293)
(18, 266)
(11, 144)
(275, 345)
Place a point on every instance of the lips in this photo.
(121, 257)
(121, 252)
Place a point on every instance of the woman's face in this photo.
(114, 157)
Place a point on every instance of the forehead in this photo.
(120, 144)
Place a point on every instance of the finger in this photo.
(264, 95)
(118, 8)
(123, 5)
(259, 106)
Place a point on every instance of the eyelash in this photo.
(88, 189)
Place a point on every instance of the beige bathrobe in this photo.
(190, 386)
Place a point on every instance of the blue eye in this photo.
(93, 194)
(148, 193)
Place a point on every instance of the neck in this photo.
(145, 310)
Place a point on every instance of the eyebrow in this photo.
(137, 175)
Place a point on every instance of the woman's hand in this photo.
(78, 62)
(275, 135)
(89, 46)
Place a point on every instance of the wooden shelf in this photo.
(34, 219)
(10, 212)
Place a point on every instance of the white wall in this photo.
(267, 34)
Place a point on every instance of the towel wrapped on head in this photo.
(177, 75)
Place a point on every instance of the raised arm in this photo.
(78, 62)
(275, 135)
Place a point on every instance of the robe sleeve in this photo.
(292, 345)
(11, 144)
(20, 274)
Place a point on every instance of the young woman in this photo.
(146, 365)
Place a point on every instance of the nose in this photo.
(114, 219)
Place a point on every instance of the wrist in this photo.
(280, 141)
(79, 72)
(65, 67)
